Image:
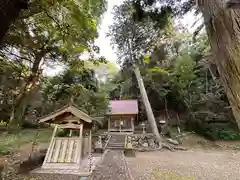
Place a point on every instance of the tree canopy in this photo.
(179, 73)
(190, 81)
(46, 34)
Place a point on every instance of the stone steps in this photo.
(113, 167)
(112, 147)
(116, 142)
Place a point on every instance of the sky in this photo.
(103, 42)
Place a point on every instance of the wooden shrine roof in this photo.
(123, 107)
(70, 108)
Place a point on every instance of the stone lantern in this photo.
(162, 124)
(143, 125)
(98, 145)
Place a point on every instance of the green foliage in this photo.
(46, 34)
(184, 70)
(151, 10)
(125, 32)
(146, 60)
(179, 78)
(214, 131)
(158, 70)
(10, 142)
(79, 85)
(3, 124)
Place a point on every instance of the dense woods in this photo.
(185, 75)
(191, 79)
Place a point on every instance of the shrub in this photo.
(3, 124)
(215, 131)
(5, 151)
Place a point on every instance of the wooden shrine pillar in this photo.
(132, 124)
(90, 141)
(109, 119)
(80, 145)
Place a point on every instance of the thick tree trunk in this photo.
(18, 113)
(9, 11)
(147, 104)
(22, 99)
(223, 28)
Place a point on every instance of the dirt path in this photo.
(113, 167)
(185, 165)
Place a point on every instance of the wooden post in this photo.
(90, 141)
(70, 133)
(109, 123)
(90, 150)
(120, 124)
(80, 143)
(50, 147)
(132, 122)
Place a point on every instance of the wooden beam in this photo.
(69, 126)
(90, 147)
(70, 150)
(55, 158)
(109, 119)
(90, 141)
(50, 147)
(115, 114)
(64, 150)
(132, 123)
(51, 151)
(70, 133)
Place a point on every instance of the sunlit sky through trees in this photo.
(104, 43)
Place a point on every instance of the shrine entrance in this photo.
(122, 115)
(121, 123)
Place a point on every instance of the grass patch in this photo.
(162, 175)
(10, 142)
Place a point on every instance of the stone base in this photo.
(129, 153)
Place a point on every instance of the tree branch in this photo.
(57, 23)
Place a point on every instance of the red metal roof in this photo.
(123, 107)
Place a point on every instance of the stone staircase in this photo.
(116, 141)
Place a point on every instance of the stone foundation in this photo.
(144, 142)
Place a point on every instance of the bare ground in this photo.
(190, 165)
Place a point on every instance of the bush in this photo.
(5, 151)
(3, 124)
(9, 142)
(223, 132)
(215, 131)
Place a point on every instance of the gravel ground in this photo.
(188, 165)
(113, 167)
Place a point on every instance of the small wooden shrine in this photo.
(122, 115)
(74, 128)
